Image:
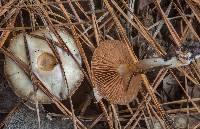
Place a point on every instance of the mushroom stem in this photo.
(148, 64)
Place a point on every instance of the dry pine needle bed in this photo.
(100, 64)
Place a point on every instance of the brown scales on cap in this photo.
(110, 73)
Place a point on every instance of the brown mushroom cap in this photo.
(109, 61)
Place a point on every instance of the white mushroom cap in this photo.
(44, 65)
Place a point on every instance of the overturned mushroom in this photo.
(108, 72)
(116, 77)
(45, 65)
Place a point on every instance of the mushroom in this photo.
(45, 65)
(108, 73)
(115, 75)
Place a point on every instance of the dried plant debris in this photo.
(140, 60)
(143, 3)
(181, 121)
(25, 118)
(170, 88)
(191, 46)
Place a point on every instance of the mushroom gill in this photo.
(111, 75)
(116, 77)
(45, 65)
